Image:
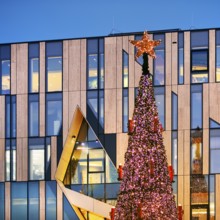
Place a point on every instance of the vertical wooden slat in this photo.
(53, 156)
(137, 73)
(2, 160)
(205, 151)
(168, 107)
(2, 117)
(180, 152)
(83, 61)
(7, 200)
(131, 63)
(110, 63)
(174, 57)
(13, 69)
(122, 144)
(168, 64)
(187, 58)
(167, 144)
(83, 102)
(131, 102)
(42, 199)
(74, 65)
(65, 65)
(125, 43)
(59, 203)
(65, 124)
(110, 111)
(22, 159)
(119, 62)
(42, 114)
(212, 70)
(22, 68)
(42, 67)
(186, 194)
(22, 115)
(205, 106)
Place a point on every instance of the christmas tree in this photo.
(146, 187)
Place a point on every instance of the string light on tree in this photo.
(146, 189)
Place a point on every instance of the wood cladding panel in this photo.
(205, 106)
(53, 153)
(168, 55)
(7, 200)
(214, 101)
(131, 63)
(83, 61)
(110, 63)
(42, 68)
(174, 58)
(83, 102)
(131, 102)
(212, 58)
(42, 199)
(168, 145)
(22, 159)
(59, 203)
(187, 58)
(42, 114)
(74, 65)
(183, 107)
(65, 65)
(180, 152)
(119, 62)
(122, 145)
(110, 111)
(168, 109)
(2, 160)
(65, 123)
(13, 69)
(2, 116)
(217, 193)
(22, 115)
(22, 68)
(205, 155)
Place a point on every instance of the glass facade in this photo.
(2, 200)
(54, 63)
(5, 69)
(51, 201)
(181, 58)
(217, 53)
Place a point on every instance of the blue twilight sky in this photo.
(34, 20)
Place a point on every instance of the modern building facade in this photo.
(42, 83)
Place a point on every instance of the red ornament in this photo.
(180, 212)
(120, 172)
(156, 122)
(139, 211)
(151, 168)
(112, 213)
(131, 126)
(171, 172)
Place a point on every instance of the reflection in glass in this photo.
(196, 151)
(90, 168)
(68, 212)
(101, 110)
(174, 152)
(6, 74)
(54, 74)
(101, 70)
(19, 200)
(2, 201)
(93, 71)
(200, 60)
(214, 150)
(199, 39)
(217, 54)
(33, 200)
(125, 110)
(180, 58)
(33, 115)
(159, 98)
(36, 159)
(51, 194)
(196, 106)
(125, 69)
(53, 114)
(174, 111)
(212, 196)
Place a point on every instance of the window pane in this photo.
(199, 78)
(13, 159)
(174, 111)
(34, 75)
(159, 68)
(7, 160)
(199, 39)
(212, 196)
(174, 151)
(54, 74)
(96, 160)
(6, 74)
(214, 150)
(125, 69)
(125, 110)
(93, 71)
(54, 114)
(196, 106)
(218, 63)
(18, 200)
(2, 201)
(36, 159)
(68, 212)
(181, 65)
(200, 60)
(101, 110)
(101, 70)
(8, 116)
(33, 200)
(51, 193)
(33, 115)
(159, 98)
